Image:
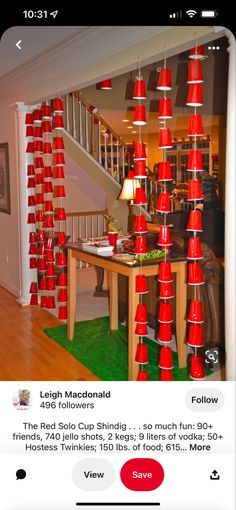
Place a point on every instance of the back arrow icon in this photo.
(18, 44)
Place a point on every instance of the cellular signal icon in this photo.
(177, 14)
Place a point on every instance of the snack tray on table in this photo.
(100, 245)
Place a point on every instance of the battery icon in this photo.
(209, 14)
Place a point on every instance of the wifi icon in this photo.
(191, 13)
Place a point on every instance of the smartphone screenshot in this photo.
(117, 261)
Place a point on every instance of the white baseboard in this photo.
(10, 287)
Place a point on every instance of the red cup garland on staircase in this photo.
(140, 228)
(46, 207)
(164, 335)
(194, 226)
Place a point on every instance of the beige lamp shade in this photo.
(128, 189)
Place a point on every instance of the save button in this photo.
(142, 474)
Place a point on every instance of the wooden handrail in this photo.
(87, 213)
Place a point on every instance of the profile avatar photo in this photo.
(22, 399)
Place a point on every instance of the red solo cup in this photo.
(50, 284)
(195, 161)
(50, 256)
(31, 218)
(195, 335)
(139, 89)
(112, 238)
(50, 270)
(47, 148)
(140, 115)
(62, 280)
(30, 170)
(47, 127)
(48, 172)
(34, 300)
(39, 198)
(50, 302)
(49, 207)
(141, 330)
(195, 125)
(140, 170)
(165, 314)
(49, 223)
(30, 147)
(33, 263)
(40, 216)
(141, 314)
(37, 116)
(31, 201)
(164, 171)
(165, 108)
(46, 112)
(62, 312)
(62, 296)
(164, 238)
(59, 159)
(61, 260)
(140, 197)
(142, 375)
(106, 84)
(50, 243)
(39, 179)
(43, 302)
(43, 284)
(33, 288)
(165, 139)
(140, 225)
(166, 358)
(42, 266)
(140, 245)
(164, 79)
(195, 72)
(141, 284)
(197, 53)
(141, 354)
(57, 105)
(41, 249)
(164, 333)
(38, 133)
(197, 371)
(194, 249)
(195, 311)
(32, 237)
(195, 95)
(29, 119)
(194, 190)
(195, 276)
(48, 188)
(32, 249)
(195, 221)
(139, 151)
(58, 143)
(166, 375)
(29, 131)
(59, 191)
(166, 291)
(60, 214)
(41, 236)
(38, 146)
(61, 240)
(38, 163)
(164, 274)
(58, 122)
(59, 172)
(163, 202)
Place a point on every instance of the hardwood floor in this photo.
(26, 353)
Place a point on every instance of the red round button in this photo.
(142, 474)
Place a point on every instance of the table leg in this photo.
(113, 299)
(71, 295)
(181, 304)
(132, 338)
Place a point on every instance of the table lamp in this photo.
(128, 193)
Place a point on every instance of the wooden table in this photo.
(115, 267)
